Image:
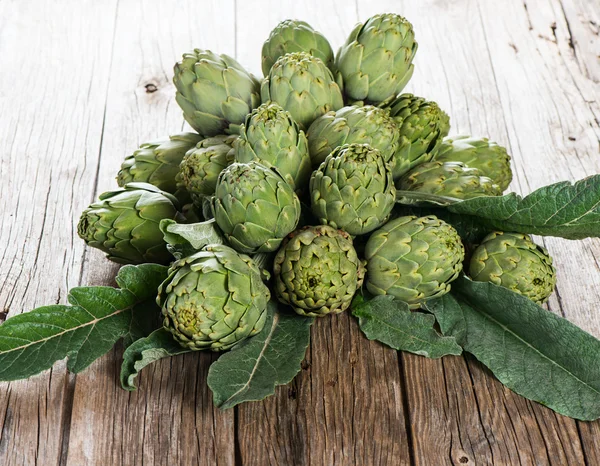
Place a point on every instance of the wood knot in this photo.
(150, 88)
(331, 383)
(463, 460)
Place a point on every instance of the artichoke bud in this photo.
(353, 189)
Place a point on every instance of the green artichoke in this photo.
(363, 125)
(201, 165)
(255, 207)
(214, 91)
(450, 179)
(302, 85)
(353, 189)
(515, 262)
(125, 224)
(423, 125)
(213, 299)
(317, 271)
(375, 63)
(271, 137)
(295, 36)
(413, 259)
(488, 157)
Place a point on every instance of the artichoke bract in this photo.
(271, 136)
(201, 165)
(125, 224)
(515, 262)
(352, 124)
(214, 91)
(488, 157)
(295, 36)
(213, 299)
(375, 63)
(353, 189)
(450, 179)
(317, 271)
(423, 125)
(302, 85)
(413, 259)
(255, 207)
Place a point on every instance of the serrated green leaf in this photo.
(253, 369)
(390, 321)
(159, 344)
(97, 318)
(186, 239)
(533, 352)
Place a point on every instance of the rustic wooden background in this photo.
(84, 82)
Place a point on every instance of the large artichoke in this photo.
(488, 157)
(317, 271)
(363, 125)
(515, 262)
(450, 179)
(255, 207)
(214, 91)
(271, 137)
(201, 165)
(302, 85)
(295, 36)
(213, 299)
(353, 189)
(125, 224)
(423, 125)
(413, 259)
(375, 63)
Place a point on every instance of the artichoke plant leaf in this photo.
(391, 322)
(97, 317)
(533, 352)
(185, 239)
(252, 370)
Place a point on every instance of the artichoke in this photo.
(271, 137)
(363, 125)
(423, 125)
(413, 259)
(201, 165)
(353, 189)
(295, 36)
(302, 85)
(317, 271)
(214, 91)
(375, 63)
(488, 157)
(255, 207)
(515, 262)
(125, 224)
(213, 299)
(450, 179)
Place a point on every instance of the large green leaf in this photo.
(533, 352)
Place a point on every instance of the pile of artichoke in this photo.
(300, 173)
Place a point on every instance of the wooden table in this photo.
(82, 83)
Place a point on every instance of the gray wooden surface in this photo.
(83, 83)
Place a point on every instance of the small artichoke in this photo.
(125, 224)
(413, 259)
(302, 85)
(271, 137)
(353, 189)
(295, 36)
(214, 91)
(488, 157)
(363, 125)
(423, 125)
(317, 271)
(375, 63)
(515, 262)
(201, 165)
(255, 207)
(450, 179)
(213, 299)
